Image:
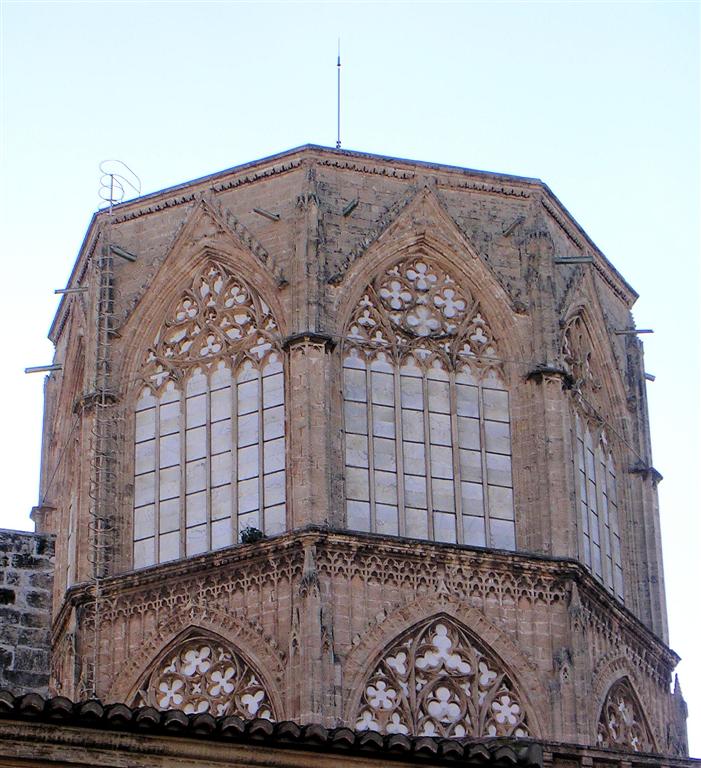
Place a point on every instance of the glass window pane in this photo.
(386, 520)
(195, 509)
(274, 455)
(441, 462)
(471, 466)
(498, 469)
(196, 410)
(220, 376)
(358, 516)
(273, 390)
(274, 489)
(145, 425)
(221, 502)
(413, 425)
(196, 383)
(274, 422)
(196, 476)
(415, 491)
(502, 534)
(248, 495)
(144, 553)
(412, 393)
(496, 404)
(144, 522)
(354, 385)
(196, 540)
(221, 404)
(249, 520)
(469, 433)
(169, 546)
(356, 418)
(222, 534)
(443, 493)
(473, 531)
(440, 429)
(169, 418)
(382, 388)
(438, 396)
(416, 523)
(357, 484)
(169, 450)
(383, 421)
(501, 502)
(414, 458)
(384, 454)
(497, 437)
(356, 450)
(196, 443)
(169, 516)
(248, 397)
(221, 468)
(221, 436)
(275, 521)
(146, 400)
(385, 487)
(248, 462)
(145, 457)
(472, 501)
(248, 429)
(444, 527)
(144, 489)
(468, 401)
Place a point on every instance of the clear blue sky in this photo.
(599, 100)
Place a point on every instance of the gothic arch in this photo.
(482, 641)
(621, 721)
(232, 665)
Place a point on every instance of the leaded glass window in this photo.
(426, 413)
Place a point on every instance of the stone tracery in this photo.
(436, 681)
(621, 722)
(204, 675)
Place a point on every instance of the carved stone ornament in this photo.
(435, 682)
(204, 675)
(417, 307)
(577, 354)
(621, 723)
(218, 317)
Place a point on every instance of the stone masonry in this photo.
(26, 580)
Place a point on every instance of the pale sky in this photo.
(599, 100)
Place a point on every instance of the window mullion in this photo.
(261, 454)
(157, 481)
(427, 455)
(182, 434)
(455, 452)
(208, 464)
(234, 400)
(371, 443)
(399, 450)
(483, 462)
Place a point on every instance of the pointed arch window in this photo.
(209, 437)
(426, 413)
(595, 467)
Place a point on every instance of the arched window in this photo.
(595, 468)
(622, 722)
(426, 413)
(598, 505)
(209, 438)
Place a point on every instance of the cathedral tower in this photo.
(346, 439)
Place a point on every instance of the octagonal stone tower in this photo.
(356, 440)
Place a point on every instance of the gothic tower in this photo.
(346, 439)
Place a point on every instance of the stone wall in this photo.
(26, 579)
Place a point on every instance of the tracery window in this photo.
(209, 453)
(204, 675)
(595, 468)
(621, 723)
(426, 413)
(436, 681)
